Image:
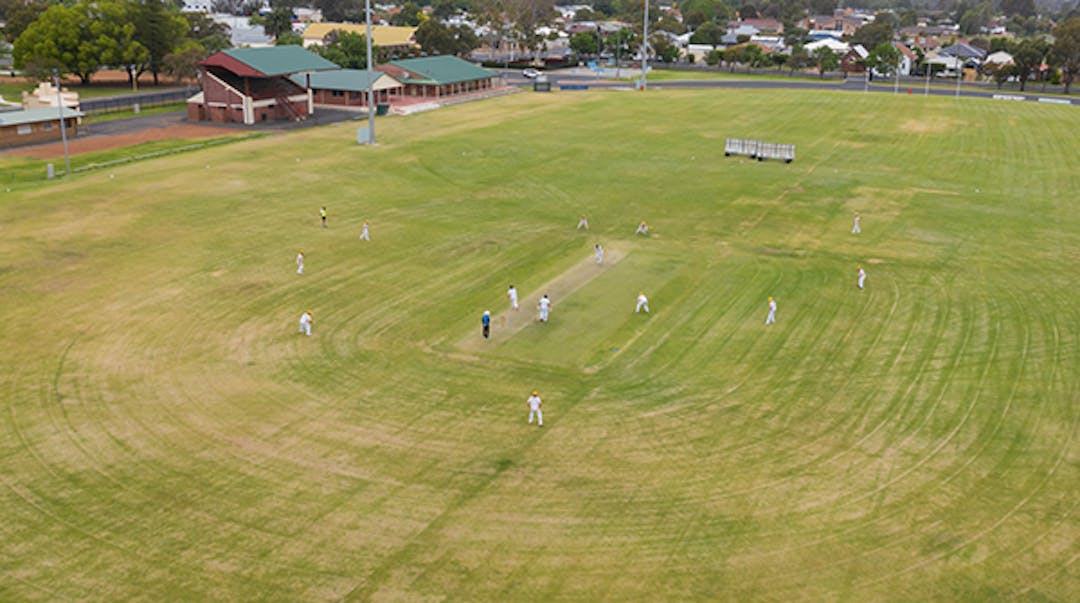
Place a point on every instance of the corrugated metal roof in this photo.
(441, 70)
(279, 60)
(353, 80)
(381, 35)
(33, 116)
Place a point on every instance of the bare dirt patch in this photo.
(116, 141)
(934, 125)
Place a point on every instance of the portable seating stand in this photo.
(761, 151)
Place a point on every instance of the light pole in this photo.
(645, 46)
(370, 80)
(63, 125)
(929, 70)
(959, 73)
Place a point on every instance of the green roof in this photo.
(353, 80)
(280, 60)
(442, 70)
(33, 116)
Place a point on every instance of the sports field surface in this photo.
(166, 434)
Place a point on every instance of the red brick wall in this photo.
(10, 137)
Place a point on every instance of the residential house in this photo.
(854, 59)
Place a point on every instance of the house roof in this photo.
(352, 80)
(999, 58)
(268, 62)
(381, 35)
(904, 50)
(33, 116)
(964, 51)
(439, 70)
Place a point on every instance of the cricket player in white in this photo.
(545, 306)
(534, 409)
(642, 302)
(642, 229)
(599, 254)
(862, 277)
(512, 294)
(771, 318)
(305, 323)
(300, 262)
(583, 223)
(856, 229)
(365, 233)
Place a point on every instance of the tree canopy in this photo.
(1066, 50)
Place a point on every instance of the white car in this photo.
(531, 73)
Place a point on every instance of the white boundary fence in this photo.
(759, 150)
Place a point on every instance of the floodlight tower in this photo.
(645, 46)
(370, 70)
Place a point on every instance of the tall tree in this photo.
(1027, 56)
(183, 63)
(160, 28)
(826, 60)
(709, 33)
(527, 16)
(80, 40)
(872, 34)
(885, 59)
(822, 7)
(584, 43)
(278, 22)
(1066, 50)
(346, 49)
(17, 15)
(1024, 8)
(409, 15)
(206, 32)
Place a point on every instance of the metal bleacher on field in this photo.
(756, 149)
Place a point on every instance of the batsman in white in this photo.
(535, 404)
(862, 277)
(545, 307)
(771, 318)
(512, 294)
(365, 232)
(642, 302)
(300, 262)
(305, 323)
(856, 229)
(599, 254)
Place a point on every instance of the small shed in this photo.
(349, 87)
(438, 77)
(31, 126)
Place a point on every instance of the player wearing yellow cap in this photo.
(583, 223)
(642, 302)
(305, 323)
(535, 403)
(365, 232)
(771, 318)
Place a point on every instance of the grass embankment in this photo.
(166, 434)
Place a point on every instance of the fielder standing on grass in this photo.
(545, 307)
(485, 322)
(322, 216)
(305, 323)
(771, 318)
(856, 229)
(512, 294)
(862, 277)
(535, 404)
(300, 262)
(642, 302)
(583, 223)
(365, 232)
(599, 254)
(642, 229)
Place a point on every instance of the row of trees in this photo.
(138, 35)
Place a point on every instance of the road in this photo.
(558, 78)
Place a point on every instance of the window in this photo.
(24, 129)
(48, 126)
